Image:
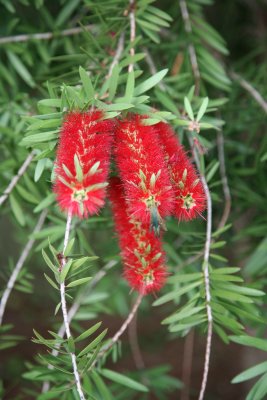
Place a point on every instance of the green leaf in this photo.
(197, 320)
(220, 231)
(78, 282)
(39, 138)
(69, 247)
(129, 91)
(20, 68)
(259, 390)
(113, 82)
(228, 322)
(225, 270)
(52, 283)
(185, 277)
(152, 35)
(212, 171)
(78, 263)
(78, 168)
(155, 20)
(26, 195)
(251, 372)
(148, 25)
(159, 13)
(188, 108)
(17, 210)
(39, 169)
(71, 344)
(202, 109)
(48, 200)
(184, 313)
(166, 101)
(258, 259)
(49, 262)
(118, 106)
(241, 289)
(176, 293)
(228, 295)
(93, 344)
(91, 359)
(65, 270)
(102, 388)
(246, 340)
(150, 82)
(88, 332)
(66, 11)
(123, 380)
(54, 103)
(87, 84)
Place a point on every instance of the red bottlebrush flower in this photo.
(141, 250)
(143, 171)
(189, 193)
(82, 163)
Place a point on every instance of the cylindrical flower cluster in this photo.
(157, 179)
(144, 172)
(82, 165)
(189, 193)
(141, 250)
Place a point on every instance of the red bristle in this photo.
(190, 199)
(143, 170)
(86, 138)
(141, 250)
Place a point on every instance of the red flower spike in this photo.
(144, 173)
(82, 164)
(189, 193)
(141, 250)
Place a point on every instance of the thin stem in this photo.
(44, 35)
(65, 311)
(74, 308)
(15, 178)
(132, 31)
(226, 189)
(252, 91)
(118, 53)
(122, 329)
(19, 265)
(206, 276)
(207, 288)
(207, 362)
(191, 47)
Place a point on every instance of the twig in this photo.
(132, 32)
(118, 53)
(65, 311)
(187, 364)
(206, 275)
(44, 35)
(191, 47)
(74, 308)
(254, 93)
(133, 341)
(122, 329)
(19, 265)
(15, 178)
(207, 288)
(226, 190)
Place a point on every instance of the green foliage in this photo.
(42, 78)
